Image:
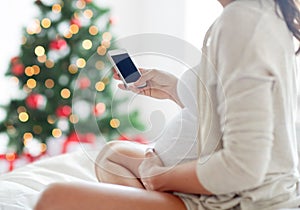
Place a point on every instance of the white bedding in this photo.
(20, 188)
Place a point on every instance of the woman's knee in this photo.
(108, 152)
(49, 198)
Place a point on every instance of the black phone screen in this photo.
(126, 67)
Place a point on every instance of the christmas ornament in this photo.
(58, 44)
(112, 20)
(17, 69)
(15, 60)
(84, 83)
(35, 101)
(99, 109)
(63, 111)
(78, 139)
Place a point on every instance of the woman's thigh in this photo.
(105, 197)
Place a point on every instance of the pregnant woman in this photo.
(233, 146)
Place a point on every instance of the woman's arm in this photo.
(179, 178)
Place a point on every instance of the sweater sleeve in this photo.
(244, 59)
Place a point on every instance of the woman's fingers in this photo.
(146, 76)
(122, 86)
(116, 75)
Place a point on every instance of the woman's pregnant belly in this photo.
(178, 142)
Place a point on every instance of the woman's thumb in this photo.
(144, 78)
(149, 152)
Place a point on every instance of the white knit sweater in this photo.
(246, 88)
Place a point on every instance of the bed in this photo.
(20, 189)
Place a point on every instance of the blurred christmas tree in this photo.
(56, 49)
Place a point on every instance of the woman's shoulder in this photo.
(250, 19)
(246, 13)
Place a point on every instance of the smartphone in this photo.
(124, 66)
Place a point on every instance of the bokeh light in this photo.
(93, 30)
(99, 65)
(80, 62)
(65, 93)
(56, 132)
(87, 44)
(23, 117)
(73, 69)
(46, 23)
(114, 123)
(101, 50)
(39, 50)
(49, 83)
(31, 83)
(100, 86)
(56, 8)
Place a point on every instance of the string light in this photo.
(39, 50)
(105, 43)
(88, 13)
(31, 83)
(73, 119)
(73, 69)
(46, 23)
(51, 119)
(87, 44)
(37, 129)
(99, 65)
(101, 50)
(34, 28)
(105, 80)
(80, 62)
(74, 29)
(15, 80)
(23, 117)
(106, 36)
(93, 30)
(43, 147)
(11, 130)
(68, 34)
(27, 138)
(49, 83)
(65, 93)
(26, 89)
(29, 71)
(36, 69)
(80, 4)
(114, 123)
(24, 40)
(76, 15)
(10, 156)
(56, 132)
(49, 64)
(42, 59)
(21, 109)
(100, 86)
(56, 8)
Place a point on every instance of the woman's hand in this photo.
(160, 85)
(178, 178)
(151, 171)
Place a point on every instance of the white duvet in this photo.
(20, 189)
